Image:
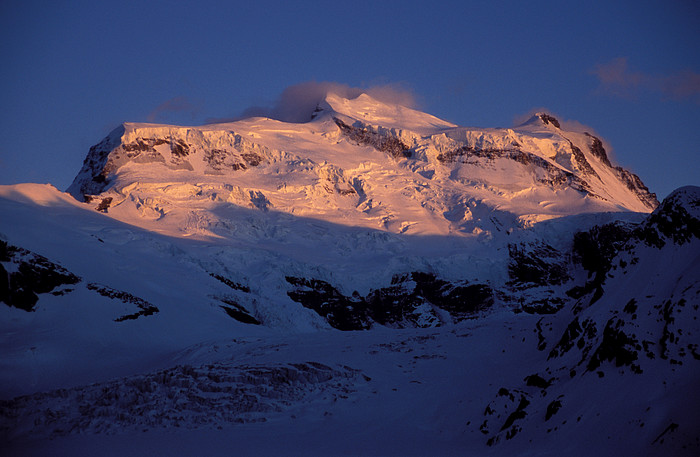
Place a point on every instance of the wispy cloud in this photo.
(177, 104)
(617, 79)
(683, 85)
(297, 102)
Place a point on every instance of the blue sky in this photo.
(72, 71)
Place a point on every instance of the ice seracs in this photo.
(360, 163)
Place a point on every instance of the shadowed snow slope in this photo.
(375, 281)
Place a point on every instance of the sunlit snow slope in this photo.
(358, 163)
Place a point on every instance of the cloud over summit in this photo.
(297, 102)
(179, 104)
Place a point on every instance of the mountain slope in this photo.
(611, 373)
(373, 273)
(360, 163)
(627, 347)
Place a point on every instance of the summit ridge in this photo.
(364, 163)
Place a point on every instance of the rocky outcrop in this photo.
(612, 327)
(145, 308)
(550, 175)
(92, 179)
(636, 185)
(367, 135)
(412, 300)
(25, 275)
(676, 219)
(549, 119)
(595, 250)
(174, 148)
(536, 264)
(598, 150)
(616, 347)
(238, 312)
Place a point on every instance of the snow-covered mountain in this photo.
(359, 163)
(374, 281)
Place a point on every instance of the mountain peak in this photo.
(542, 119)
(360, 162)
(371, 111)
(548, 119)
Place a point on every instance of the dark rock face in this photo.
(259, 200)
(463, 301)
(252, 159)
(107, 157)
(547, 119)
(463, 153)
(409, 301)
(30, 275)
(552, 175)
(595, 250)
(614, 346)
(540, 264)
(535, 380)
(219, 159)
(104, 204)
(552, 409)
(380, 141)
(676, 218)
(598, 150)
(581, 160)
(238, 312)
(93, 178)
(636, 185)
(671, 334)
(537, 266)
(617, 347)
(341, 312)
(232, 284)
(502, 415)
(145, 308)
(233, 308)
(143, 150)
(244, 154)
(398, 306)
(576, 334)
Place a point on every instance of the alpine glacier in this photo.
(374, 281)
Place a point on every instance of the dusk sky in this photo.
(72, 71)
